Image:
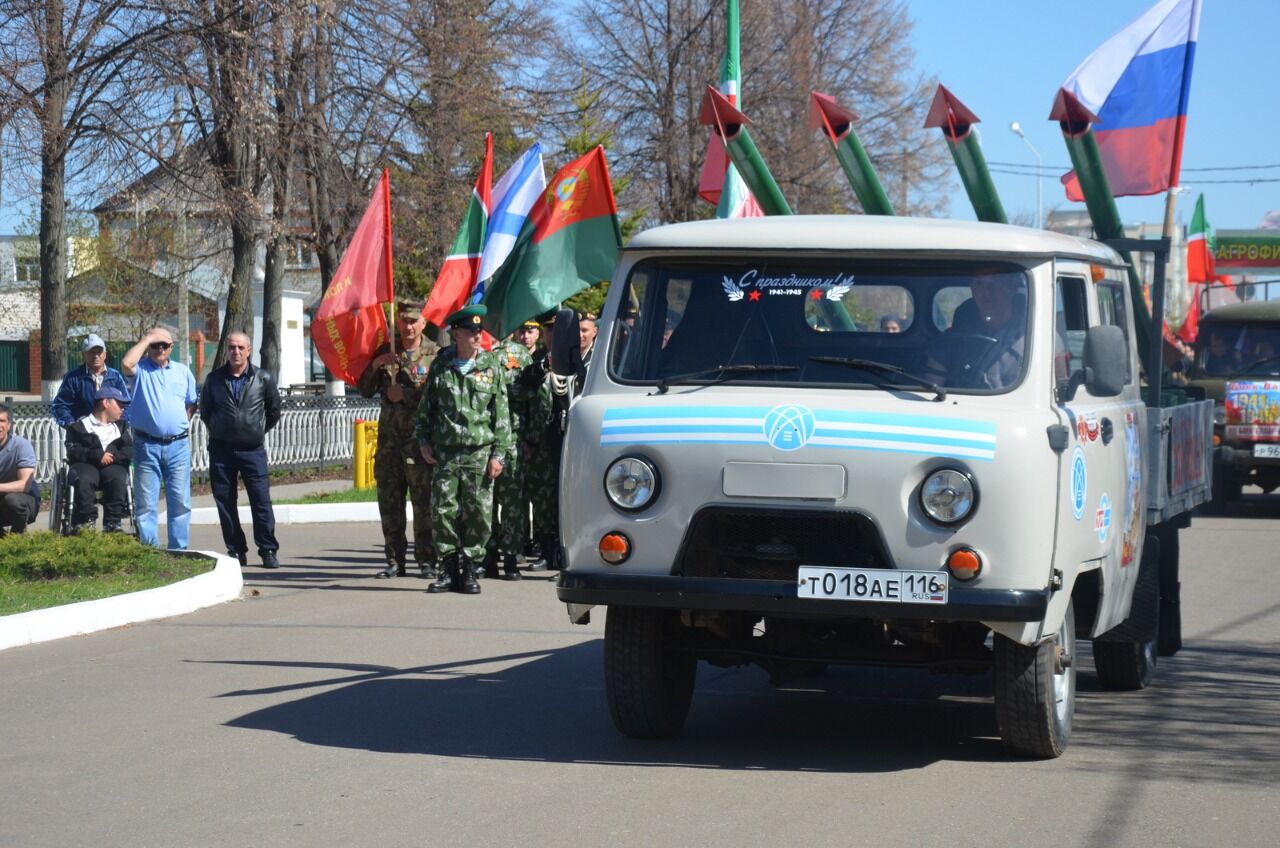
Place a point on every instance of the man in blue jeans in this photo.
(164, 399)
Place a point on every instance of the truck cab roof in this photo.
(872, 234)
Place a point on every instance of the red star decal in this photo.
(755, 295)
(816, 294)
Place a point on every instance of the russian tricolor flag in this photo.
(1137, 84)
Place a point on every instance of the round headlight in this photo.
(948, 496)
(631, 483)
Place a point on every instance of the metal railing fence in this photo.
(313, 432)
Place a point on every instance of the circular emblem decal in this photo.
(788, 427)
(565, 189)
(1079, 483)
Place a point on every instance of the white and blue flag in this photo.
(513, 197)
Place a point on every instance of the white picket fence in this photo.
(313, 432)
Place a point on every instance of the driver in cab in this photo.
(984, 346)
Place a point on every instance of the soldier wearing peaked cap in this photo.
(464, 431)
(398, 377)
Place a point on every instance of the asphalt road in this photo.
(330, 708)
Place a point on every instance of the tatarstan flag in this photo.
(349, 324)
(1200, 247)
(570, 241)
(457, 277)
(720, 183)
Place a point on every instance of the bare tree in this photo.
(656, 59)
(63, 68)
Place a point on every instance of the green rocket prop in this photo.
(956, 122)
(836, 123)
(743, 153)
(1077, 130)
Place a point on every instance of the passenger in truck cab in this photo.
(1220, 354)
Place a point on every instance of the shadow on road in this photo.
(1212, 716)
(550, 707)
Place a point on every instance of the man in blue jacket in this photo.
(74, 400)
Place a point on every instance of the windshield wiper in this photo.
(723, 372)
(1248, 369)
(884, 368)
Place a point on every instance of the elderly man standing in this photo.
(75, 397)
(463, 430)
(397, 377)
(99, 448)
(239, 406)
(164, 399)
(19, 492)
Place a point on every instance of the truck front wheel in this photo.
(1035, 688)
(648, 678)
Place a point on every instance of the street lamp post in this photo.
(1016, 129)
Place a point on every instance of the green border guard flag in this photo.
(570, 241)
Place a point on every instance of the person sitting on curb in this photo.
(99, 449)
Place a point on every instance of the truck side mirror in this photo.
(1106, 355)
(566, 344)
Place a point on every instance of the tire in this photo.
(1170, 625)
(1125, 656)
(648, 680)
(1035, 689)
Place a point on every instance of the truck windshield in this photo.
(915, 326)
(1238, 350)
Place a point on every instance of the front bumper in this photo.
(773, 597)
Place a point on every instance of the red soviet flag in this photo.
(349, 324)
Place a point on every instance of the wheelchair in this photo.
(63, 495)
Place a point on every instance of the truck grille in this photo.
(771, 544)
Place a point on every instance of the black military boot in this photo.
(509, 569)
(427, 569)
(393, 569)
(540, 564)
(467, 583)
(446, 576)
(488, 566)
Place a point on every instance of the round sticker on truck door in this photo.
(1079, 483)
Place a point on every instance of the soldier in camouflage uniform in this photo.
(397, 377)
(464, 430)
(544, 433)
(510, 510)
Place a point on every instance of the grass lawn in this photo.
(39, 570)
(344, 496)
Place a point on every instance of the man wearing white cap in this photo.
(74, 400)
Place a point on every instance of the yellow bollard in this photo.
(365, 453)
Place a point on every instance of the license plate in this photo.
(872, 584)
(1266, 451)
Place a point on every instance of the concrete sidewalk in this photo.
(283, 492)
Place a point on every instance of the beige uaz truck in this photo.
(816, 440)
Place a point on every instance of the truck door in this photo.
(1102, 485)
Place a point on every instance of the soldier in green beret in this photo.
(397, 377)
(464, 431)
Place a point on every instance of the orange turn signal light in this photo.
(615, 548)
(964, 563)
(1217, 440)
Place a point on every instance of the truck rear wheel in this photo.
(1125, 656)
(1035, 688)
(648, 679)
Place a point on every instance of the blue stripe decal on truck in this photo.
(789, 427)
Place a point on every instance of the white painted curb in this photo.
(204, 590)
(299, 513)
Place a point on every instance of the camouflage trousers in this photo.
(463, 499)
(542, 478)
(395, 477)
(510, 508)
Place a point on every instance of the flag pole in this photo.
(386, 240)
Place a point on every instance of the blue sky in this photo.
(1006, 59)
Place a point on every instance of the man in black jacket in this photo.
(238, 406)
(99, 449)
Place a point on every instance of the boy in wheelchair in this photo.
(99, 449)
